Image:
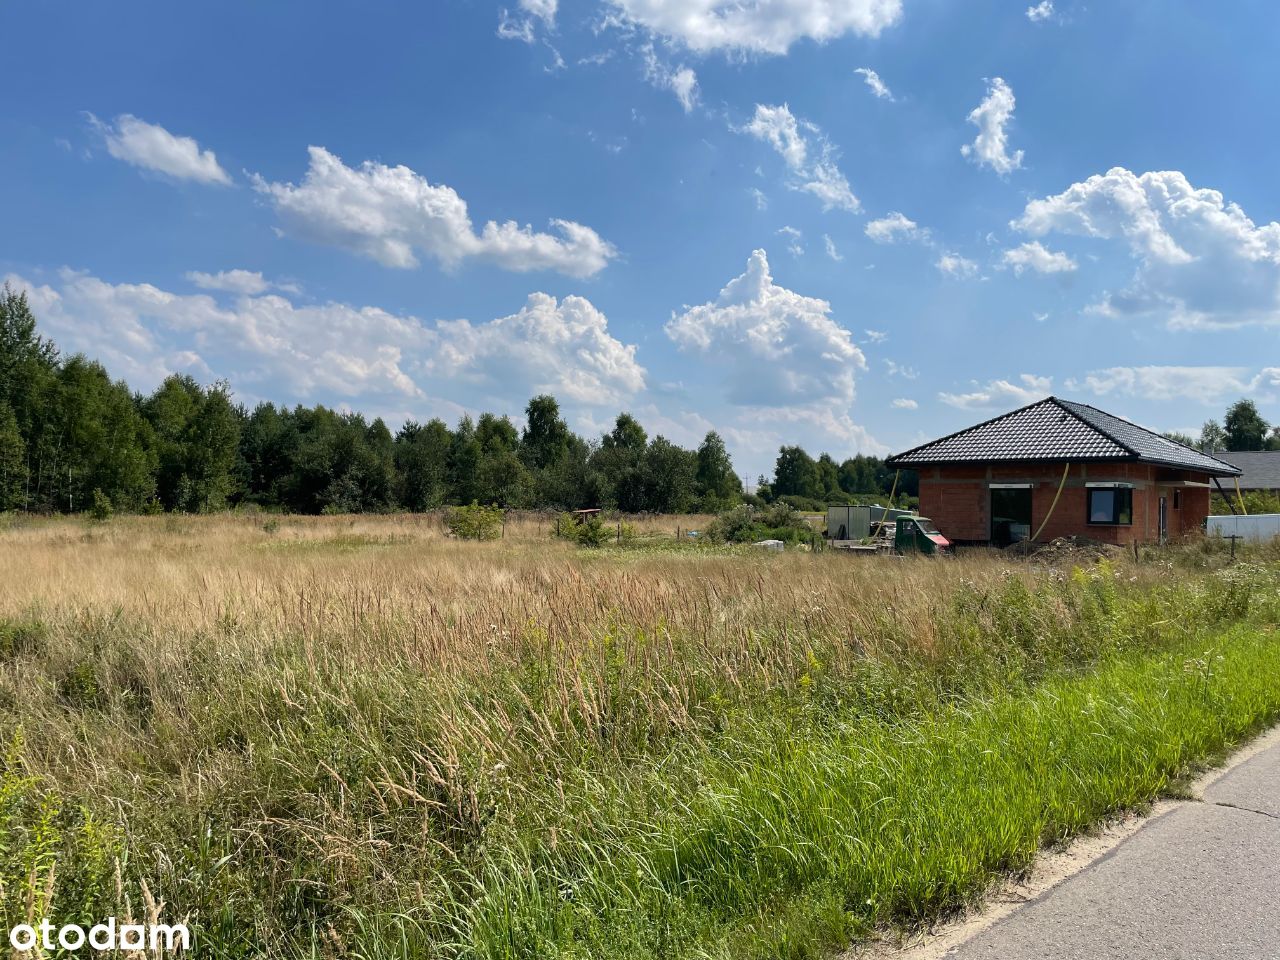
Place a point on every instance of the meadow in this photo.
(360, 737)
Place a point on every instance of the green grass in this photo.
(806, 832)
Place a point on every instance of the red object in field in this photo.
(942, 542)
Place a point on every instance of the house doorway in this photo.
(1010, 513)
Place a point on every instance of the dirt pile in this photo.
(1066, 549)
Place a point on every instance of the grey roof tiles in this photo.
(1261, 468)
(1060, 430)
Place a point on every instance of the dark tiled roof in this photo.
(1261, 468)
(1058, 430)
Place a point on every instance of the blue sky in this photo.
(852, 224)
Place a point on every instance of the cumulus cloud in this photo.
(895, 227)
(564, 348)
(903, 403)
(873, 81)
(954, 265)
(150, 146)
(809, 156)
(778, 348)
(1040, 12)
(758, 26)
(143, 332)
(1200, 262)
(1204, 384)
(393, 214)
(681, 80)
(1001, 393)
(1034, 256)
(876, 336)
(991, 147)
(271, 346)
(832, 252)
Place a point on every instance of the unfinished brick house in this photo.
(996, 482)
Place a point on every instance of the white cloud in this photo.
(832, 252)
(150, 146)
(896, 369)
(1001, 393)
(778, 348)
(1033, 256)
(827, 427)
(272, 347)
(758, 26)
(876, 336)
(820, 175)
(544, 10)
(515, 28)
(681, 80)
(895, 227)
(142, 333)
(991, 147)
(392, 213)
(872, 80)
(1041, 11)
(524, 28)
(778, 127)
(1200, 262)
(794, 238)
(903, 403)
(954, 265)
(564, 348)
(248, 282)
(762, 202)
(1202, 384)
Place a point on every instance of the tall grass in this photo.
(343, 737)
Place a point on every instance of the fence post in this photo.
(619, 532)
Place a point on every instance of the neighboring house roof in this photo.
(1261, 468)
(1060, 430)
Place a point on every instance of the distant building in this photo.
(1259, 469)
(996, 482)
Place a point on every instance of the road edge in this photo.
(1051, 868)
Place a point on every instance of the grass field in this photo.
(333, 737)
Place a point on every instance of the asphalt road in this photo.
(1199, 882)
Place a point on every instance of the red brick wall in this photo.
(958, 500)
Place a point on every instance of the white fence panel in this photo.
(1257, 528)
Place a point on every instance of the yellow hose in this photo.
(894, 488)
(1053, 506)
(1240, 498)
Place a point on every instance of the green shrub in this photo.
(777, 521)
(594, 531)
(475, 522)
(101, 510)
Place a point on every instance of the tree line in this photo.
(1242, 428)
(69, 434)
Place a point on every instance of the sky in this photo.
(854, 225)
